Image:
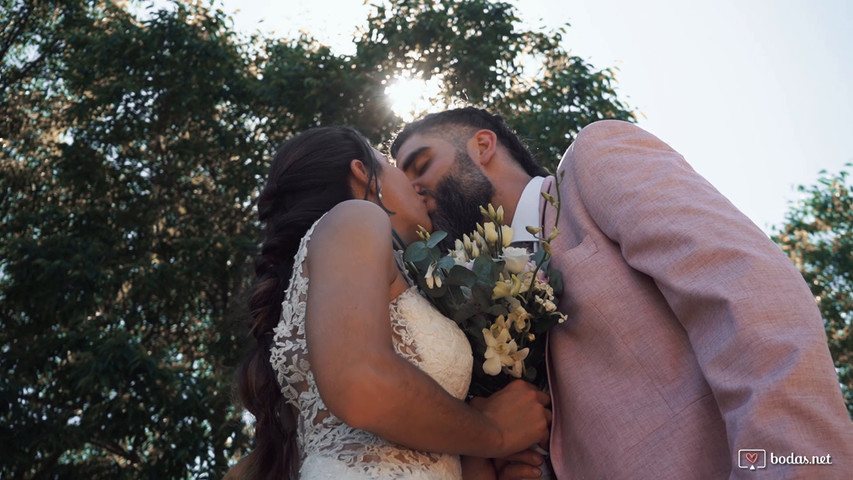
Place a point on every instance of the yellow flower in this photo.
(502, 289)
(517, 286)
(507, 287)
(466, 241)
(506, 235)
(518, 316)
(490, 232)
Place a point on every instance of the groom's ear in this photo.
(484, 144)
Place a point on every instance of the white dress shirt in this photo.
(527, 213)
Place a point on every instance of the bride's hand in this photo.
(520, 413)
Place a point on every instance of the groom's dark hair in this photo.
(457, 125)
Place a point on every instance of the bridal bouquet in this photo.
(501, 296)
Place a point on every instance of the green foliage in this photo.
(127, 226)
(818, 237)
(133, 149)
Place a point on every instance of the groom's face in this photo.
(454, 186)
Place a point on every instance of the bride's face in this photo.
(400, 197)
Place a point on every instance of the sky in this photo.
(756, 94)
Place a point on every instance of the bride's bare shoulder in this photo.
(357, 224)
(354, 217)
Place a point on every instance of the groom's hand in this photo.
(519, 466)
(520, 413)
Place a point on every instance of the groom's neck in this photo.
(508, 189)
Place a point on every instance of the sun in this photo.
(412, 97)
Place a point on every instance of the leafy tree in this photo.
(818, 237)
(132, 151)
(126, 227)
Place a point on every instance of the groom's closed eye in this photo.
(421, 166)
(411, 160)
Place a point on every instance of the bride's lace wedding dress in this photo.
(332, 449)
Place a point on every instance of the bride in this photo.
(354, 374)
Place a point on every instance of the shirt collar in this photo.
(527, 212)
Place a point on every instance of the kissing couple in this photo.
(688, 335)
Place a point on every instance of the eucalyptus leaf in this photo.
(464, 313)
(436, 238)
(486, 270)
(459, 275)
(481, 296)
(416, 252)
(446, 263)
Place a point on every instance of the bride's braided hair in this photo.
(460, 123)
(308, 176)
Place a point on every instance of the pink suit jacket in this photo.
(690, 335)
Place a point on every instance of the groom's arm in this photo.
(750, 318)
(361, 378)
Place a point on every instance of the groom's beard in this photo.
(458, 197)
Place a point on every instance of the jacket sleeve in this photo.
(749, 316)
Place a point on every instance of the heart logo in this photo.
(751, 457)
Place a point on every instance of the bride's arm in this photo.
(477, 468)
(360, 377)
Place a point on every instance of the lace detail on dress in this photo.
(330, 448)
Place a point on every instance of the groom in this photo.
(692, 348)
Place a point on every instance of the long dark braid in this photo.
(308, 176)
(470, 119)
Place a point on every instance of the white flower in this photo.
(516, 259)
(546, 288)
(502, 353)
(517, 368)
(433, 279)
(460, 257)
